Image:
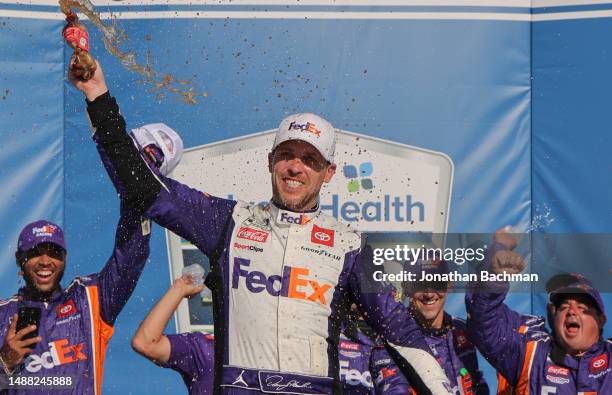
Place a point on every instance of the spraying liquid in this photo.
(112, 38)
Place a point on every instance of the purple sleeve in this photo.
(119, 276)
(193, 356)
(377, 303)
(492, 326)
(193, 215)
(388, 379)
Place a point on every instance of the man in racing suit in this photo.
(573, 360)
(278, 307)
(445, 334)
(76, 322)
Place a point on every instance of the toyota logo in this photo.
(322, 236)
(65, 309)
(599, 363)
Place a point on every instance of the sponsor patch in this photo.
(66, 309)
(558, 370)
(248, 247)
(556, 379)
(462, 340)
(253, 234)
(599, 363)
(44, 231)
(349, 346)
(322, 236)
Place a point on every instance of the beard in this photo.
(32, 292)
(282, 203)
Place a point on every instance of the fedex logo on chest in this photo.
(294, 282)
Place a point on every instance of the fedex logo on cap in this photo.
(294, 282)
(322, 236)
(46, 230)
(307, 127)
(287, 217)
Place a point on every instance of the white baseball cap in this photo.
(166, 139)
(310, 128)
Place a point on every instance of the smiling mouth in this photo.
(291, 183)
(429, 302)
(43, 274)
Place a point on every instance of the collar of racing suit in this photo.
(33, 294)
(284, 217)
(447, 324)
(560, 357)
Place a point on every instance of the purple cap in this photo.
(573, 283)
(39, 232)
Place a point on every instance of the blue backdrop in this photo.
(515, 95)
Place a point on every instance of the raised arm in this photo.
(149, 339)
(492, 325)
(193, 215)
(118, 278)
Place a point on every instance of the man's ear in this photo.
(270, 160)
(329, 172)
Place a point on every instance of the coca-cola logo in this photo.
(252, 234)
(349, 346)
(557, 370)
(322, 236)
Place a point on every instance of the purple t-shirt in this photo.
(193, 356)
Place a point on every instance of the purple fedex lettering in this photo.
(294, 282)
(257, 281)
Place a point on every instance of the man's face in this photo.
(44, 266)
(429, 301)
(298, 172)
(576, 323)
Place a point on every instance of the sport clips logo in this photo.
(294, 282)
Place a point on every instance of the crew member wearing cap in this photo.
(69, 328)
(277, 307)
(573, 360)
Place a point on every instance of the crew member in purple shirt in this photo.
(190, 354)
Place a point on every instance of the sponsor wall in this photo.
(514, 96)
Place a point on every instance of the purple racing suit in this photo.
(357, 362)
(530, 362)
(192, 355)
(77, 322)
(280, 279)
(453, 350)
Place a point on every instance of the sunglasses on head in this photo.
(51, 250)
